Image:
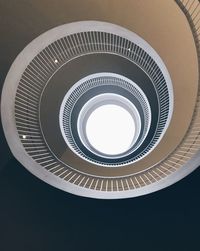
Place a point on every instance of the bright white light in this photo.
(56, 61)
(24, 136)
(110, 129)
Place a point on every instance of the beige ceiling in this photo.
(161, 23)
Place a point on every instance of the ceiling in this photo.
(35, 216)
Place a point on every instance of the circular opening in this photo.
(97, 90)
(110, 129)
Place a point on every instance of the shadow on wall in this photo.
(5, 153)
